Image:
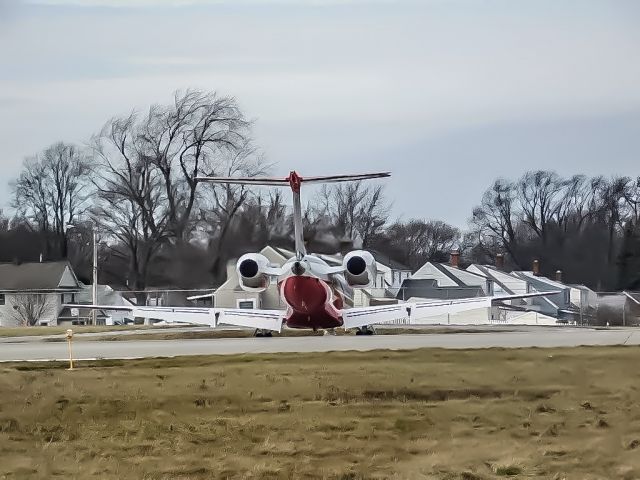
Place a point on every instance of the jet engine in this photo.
(360, 268)
(252, 272)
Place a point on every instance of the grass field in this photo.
(534, 413)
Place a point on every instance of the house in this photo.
(505, 284)
(451, 280)
(557, 305)
(33, 293)
(440, 281)
(106, 296)
(231, 295)
(391, 273)
(584, 303)
(572, 303)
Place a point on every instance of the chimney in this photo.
(454, 258)
(499, 261)
(536, 267)
(559, 276)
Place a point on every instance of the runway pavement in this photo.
(555, 337)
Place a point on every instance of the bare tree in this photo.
(271, 217)
(4, 222)
(611, 197)
(221, 203)
(539, 195)
(418, 241)
(196, 134)
(632, 198)
(29, 308)
(573, 206)
(52, 189)
(358, 210)
(575, 224)
(496, 216)
(131, 206)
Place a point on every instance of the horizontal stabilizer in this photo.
(283, 182)
(265, 181)
(345, 178)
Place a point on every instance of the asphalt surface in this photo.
(534, 337)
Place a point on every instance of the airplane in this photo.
(317, 296)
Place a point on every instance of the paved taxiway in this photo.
(90, 349)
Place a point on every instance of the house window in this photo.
(2, 299)
(247, 304)
(67, 298)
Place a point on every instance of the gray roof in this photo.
(106, 295)
(451, 276)
(32, 276)
(388, 261)
(428, 288)
(487, 270)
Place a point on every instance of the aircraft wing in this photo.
(358, 317)
(413, 312)
(410, 312)
(242, 317)
(212, 317)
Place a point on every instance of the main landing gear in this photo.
(261, 332)
(365, 330)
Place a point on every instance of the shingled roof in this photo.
(37, 276)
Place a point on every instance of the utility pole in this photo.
(94, 270)
(94, 290)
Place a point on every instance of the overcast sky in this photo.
(447, 94)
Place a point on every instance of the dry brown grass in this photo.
(535, 413)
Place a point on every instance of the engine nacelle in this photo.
(360, 268)
(251, 268)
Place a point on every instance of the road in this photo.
(90, 349)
